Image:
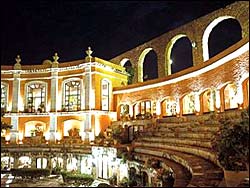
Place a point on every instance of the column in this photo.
(15, 161)
(217, 100)
(33, 162)
(54, 91)
(79, 160)
(89, 94)
(53, 127)
(197, 103)
(14, 130)
(65, 162)
(16, 92)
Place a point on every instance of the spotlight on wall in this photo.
(193, 44)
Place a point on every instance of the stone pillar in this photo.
(65, 162)
(33, 162)
(53, 127)
(15, 161)
(14, 130)
(54, 91)
(79, 160)
(89, 94)
(16, 92)
(217, 100)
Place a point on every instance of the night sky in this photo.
(38, 29)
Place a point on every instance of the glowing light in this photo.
(7, 138)
(217, 99)
(47, 136)
(197, 103)
(58, 136)
(158, 108)
(171, 61)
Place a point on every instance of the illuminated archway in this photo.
(71, 125)
(34, 128)
(207, 32)
(208, 100)
(230, 96)
(168, 106)
(188, 103)
(168, 53)
(140, 64)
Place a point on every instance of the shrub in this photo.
(232, 142)
(30, 172)
(77, 178)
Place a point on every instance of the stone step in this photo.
(205, 153)
(201, 135)
(181, 141)
(188, 129)
(200, 168)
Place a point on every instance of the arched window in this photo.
(4, 96)
(36, 97)
(105, 94)
(72, 95)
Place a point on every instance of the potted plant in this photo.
(231, 145)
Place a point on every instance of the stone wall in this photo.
(194, 31)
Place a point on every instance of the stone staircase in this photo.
(187, 142)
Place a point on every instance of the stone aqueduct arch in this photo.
(207, 31)
(197, 32)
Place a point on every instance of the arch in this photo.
(71, 163)
(140, 64)
(181, 56)
(24, 162)
(188, 103)
(71, 125)
(168, 106)
(7, 162)
(41, 162)
(57, 162)
(207, 32)
(150, 66)
(145, 179)
(208, 100)
(123, 61)
(31, 128)
(168, 53)
(230, 96)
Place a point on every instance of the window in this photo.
(4, 96)
(36, 97)
(105, 95)
(72, 100)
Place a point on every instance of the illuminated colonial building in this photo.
(88, 95)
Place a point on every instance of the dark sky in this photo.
(37, 29)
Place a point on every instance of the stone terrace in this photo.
(187, 141)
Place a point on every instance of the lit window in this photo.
(105, 95)
(3, 96)
(72, 100)
(36, 97)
